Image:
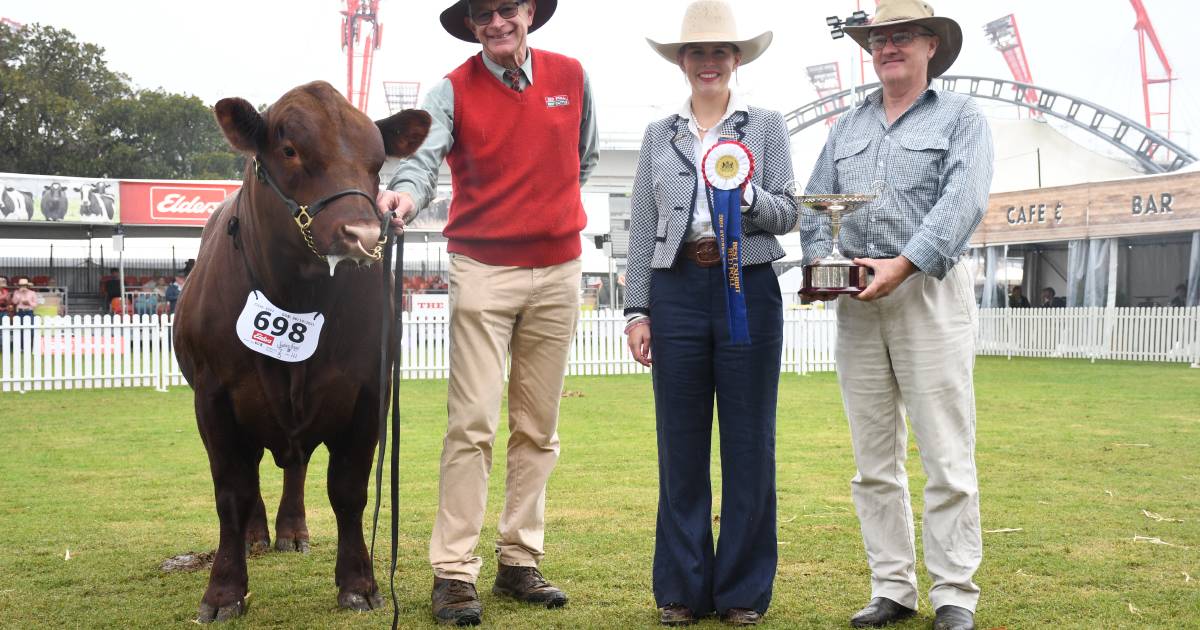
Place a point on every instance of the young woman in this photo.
(704, 310)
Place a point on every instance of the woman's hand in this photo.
(638, 333)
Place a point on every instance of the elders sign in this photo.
(172, 203)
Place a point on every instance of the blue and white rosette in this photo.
(727, 168)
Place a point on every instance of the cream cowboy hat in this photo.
(711, 22)
(893, 12)
(452, 18)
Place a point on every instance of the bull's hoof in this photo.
(258, 547)
(209, 613)
(291, 544)
(360, 602)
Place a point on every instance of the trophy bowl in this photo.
(834, 273)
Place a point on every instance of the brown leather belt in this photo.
(703, 252)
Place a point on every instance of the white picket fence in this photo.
(135, 351)
(1130, 334)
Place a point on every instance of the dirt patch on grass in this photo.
(187, 562)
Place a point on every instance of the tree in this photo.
(63, 112)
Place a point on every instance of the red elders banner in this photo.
(172, 202)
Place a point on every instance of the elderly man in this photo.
(907, 343)
(516, 125)
(25, 299)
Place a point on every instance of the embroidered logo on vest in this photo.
(557, 101)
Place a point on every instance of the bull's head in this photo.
(313, 144)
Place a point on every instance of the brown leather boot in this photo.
(456, 602)
(742, 617)
(527, 584)
(676, 615)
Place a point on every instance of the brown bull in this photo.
(308, 146)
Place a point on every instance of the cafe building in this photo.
(1131, 241)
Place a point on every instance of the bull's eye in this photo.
(289, 152)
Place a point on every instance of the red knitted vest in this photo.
(514, 164)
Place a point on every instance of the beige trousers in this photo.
(496, 313)
(914, 350)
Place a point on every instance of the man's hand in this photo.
(639, 341)
(889, 273)
(401, 202)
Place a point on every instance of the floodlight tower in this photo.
(836, 24)
(1007, 39)
(360, 16)
(401, 95)
(1146, 31)
(827, 79)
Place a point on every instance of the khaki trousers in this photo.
(526, 315)
(914, 350)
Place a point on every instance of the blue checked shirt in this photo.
(936, 159)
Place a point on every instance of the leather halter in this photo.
(304, 215)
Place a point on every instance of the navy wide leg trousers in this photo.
(693, 360)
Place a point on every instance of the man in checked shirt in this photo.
(907, 342)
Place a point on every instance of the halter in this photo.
(304, 217)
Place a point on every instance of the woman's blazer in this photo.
(664, 194)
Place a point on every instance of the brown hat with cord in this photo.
(919, 13)
(452, 18)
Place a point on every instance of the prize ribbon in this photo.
(727, 168)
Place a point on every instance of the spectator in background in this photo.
(1017, 299)
(173, 291)
(5, 297)
(24, 300)
(1048, 299)
(112, 290)
(1180, 298)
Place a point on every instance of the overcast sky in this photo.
(258, 49)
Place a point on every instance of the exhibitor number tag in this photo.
(270, 330)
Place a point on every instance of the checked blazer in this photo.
(664, 195)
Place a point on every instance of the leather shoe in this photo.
(527, 584)
(742, 617)
(676, 615)
(880, 612)
(456, 602)
(953, 618)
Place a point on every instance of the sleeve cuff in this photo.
(925, 257)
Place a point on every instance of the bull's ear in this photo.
(403, 133)
(242, 125)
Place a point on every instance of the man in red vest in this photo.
(516, 125)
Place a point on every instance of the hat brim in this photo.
(750, 49)
(947, 30)
(452, 18)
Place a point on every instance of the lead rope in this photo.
(391, 334)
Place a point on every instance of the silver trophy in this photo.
(835, 273)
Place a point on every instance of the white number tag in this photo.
(270, 330)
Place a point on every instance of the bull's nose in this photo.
(365, 236)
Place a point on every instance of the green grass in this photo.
(1069, 452)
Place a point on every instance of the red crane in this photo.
(827, 79)
(1007, 39)
(360, 16)
(1146, 31)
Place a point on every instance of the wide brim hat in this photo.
(452, 18)
(712, 22)
(22, 282)
(920, 13)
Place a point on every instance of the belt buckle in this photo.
(707, 253)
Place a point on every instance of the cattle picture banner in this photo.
(46, 199)
(172, 202)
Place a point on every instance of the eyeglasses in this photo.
(506, 11)
(900, 39)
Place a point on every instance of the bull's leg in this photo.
(234, 466)
(258, 536)
(291, 530)
(349, 470)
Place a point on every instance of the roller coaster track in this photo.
(1152, 151)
